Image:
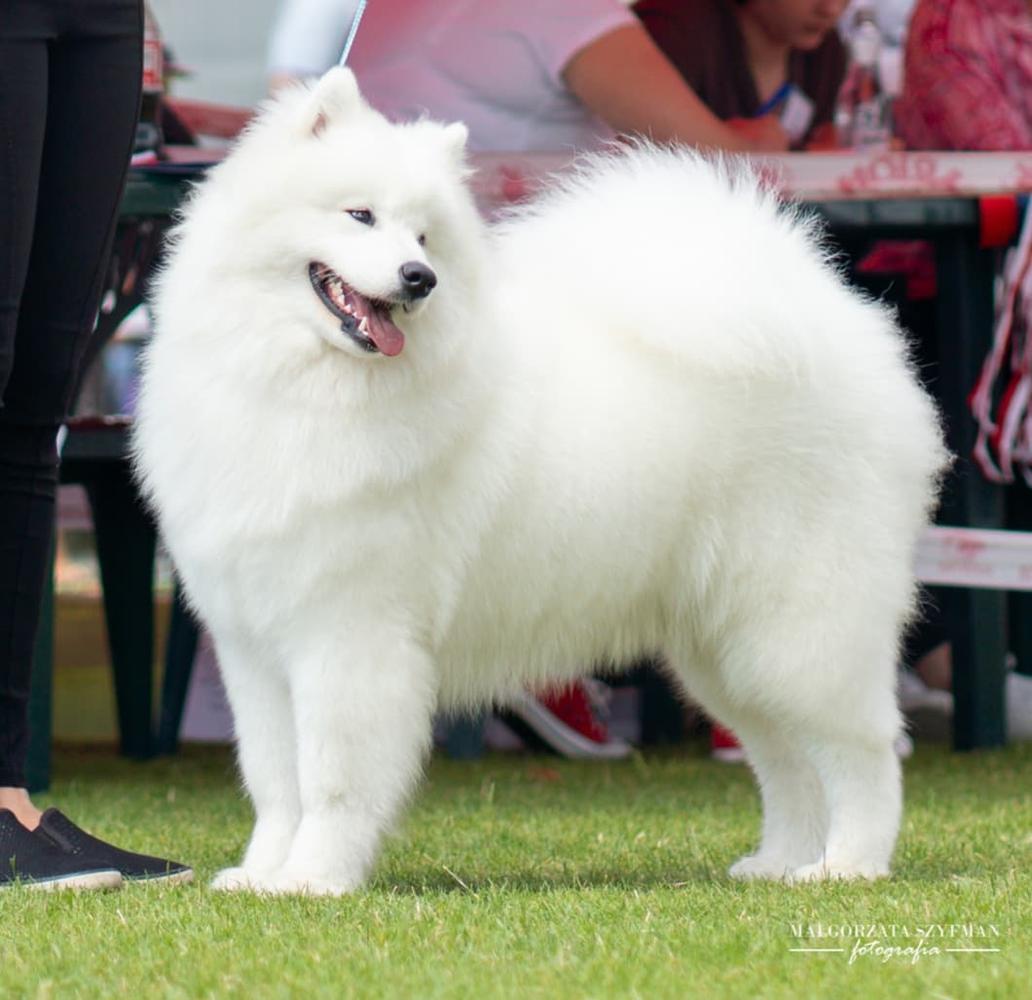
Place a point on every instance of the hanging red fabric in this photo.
(1004, 441)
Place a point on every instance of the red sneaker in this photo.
(724, 747)
(567, 721)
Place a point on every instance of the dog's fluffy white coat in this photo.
(643, 415)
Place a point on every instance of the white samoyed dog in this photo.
(404, 461)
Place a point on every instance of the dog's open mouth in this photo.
(366, 321)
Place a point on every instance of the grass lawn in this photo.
(525, 877)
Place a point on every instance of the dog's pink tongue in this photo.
(388, 338)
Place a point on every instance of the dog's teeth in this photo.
(364, 325)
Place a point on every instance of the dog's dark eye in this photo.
(362, 215)
(422, 239)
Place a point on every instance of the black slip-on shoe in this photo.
(58, 830)
(35, 863)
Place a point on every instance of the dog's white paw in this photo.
(757, 866)
(272, 884)
(270, 843)
(824, 871)
(300, 885)
(234, 880)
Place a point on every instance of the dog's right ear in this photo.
(332, 99)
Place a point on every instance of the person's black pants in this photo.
(70, 73)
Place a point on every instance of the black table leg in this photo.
(978, 618)
(125, 550)
(183, 633)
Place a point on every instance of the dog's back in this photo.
(710, 415)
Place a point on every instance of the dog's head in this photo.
(369, 226)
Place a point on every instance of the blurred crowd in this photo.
(738, 74)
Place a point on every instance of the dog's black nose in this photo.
(417, 279)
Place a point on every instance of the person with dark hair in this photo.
(70, 76)
(750, 58)
(521, 74)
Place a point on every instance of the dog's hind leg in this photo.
(363, 703)
(795, 818)
(841, 706)
(831, 790)
(848, 720)
(794, 813)
(860, 774)
(853, 773)
(267, 751)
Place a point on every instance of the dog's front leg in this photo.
(267, 751)
(363, 704)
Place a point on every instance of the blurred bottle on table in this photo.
(149, 133)
(864, 115)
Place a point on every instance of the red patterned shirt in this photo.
(968, 76)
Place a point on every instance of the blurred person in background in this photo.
(70, 78)
(748, 59)
(522, 74)
(967, 79)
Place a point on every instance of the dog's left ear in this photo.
(455, 138)
(333, 99)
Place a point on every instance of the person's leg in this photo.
(935, 667)
(76, 139)
(90, 99)
(23, 101)
(926, 644)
